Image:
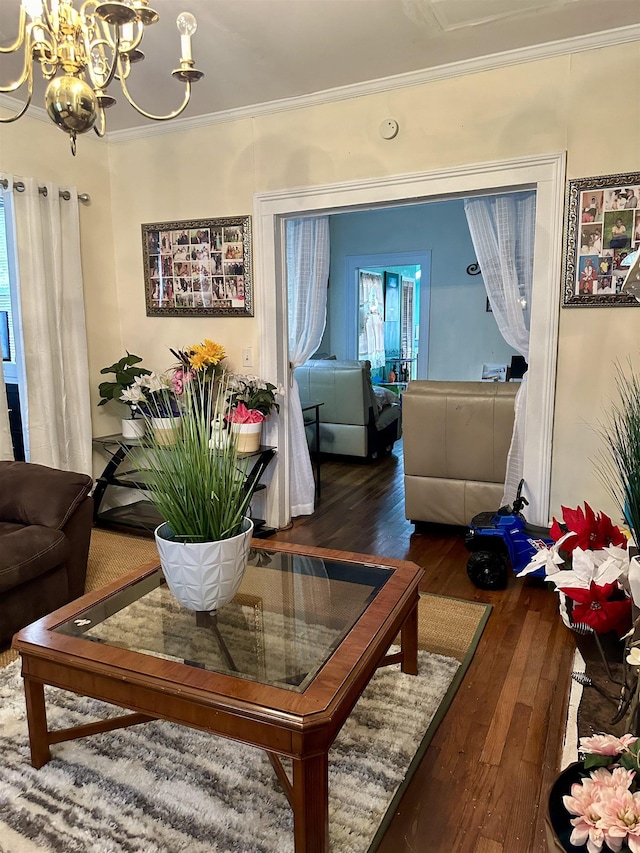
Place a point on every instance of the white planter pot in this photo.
(204, 576)
(133, 427)
(165, 430)
(248, 436)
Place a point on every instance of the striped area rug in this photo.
(163, 788)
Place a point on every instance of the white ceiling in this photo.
(257, 51)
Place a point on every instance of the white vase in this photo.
(204, 576)
(133, 427)
(248, 436)
(165, 430)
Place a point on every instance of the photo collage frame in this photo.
(603, 227)
(198, 267)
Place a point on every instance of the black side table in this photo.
(314, 420)
(142, 514)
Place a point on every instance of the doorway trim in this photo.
(544, 173)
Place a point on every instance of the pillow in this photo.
(384, 397)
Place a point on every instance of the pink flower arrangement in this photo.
(178, 379)
(242, 415)
(606, 809)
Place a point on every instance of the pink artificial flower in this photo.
(242, 415)
(620, 819)
(584, 802)
(606, 744)
(617, 778)
(178, 378)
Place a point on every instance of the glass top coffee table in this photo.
(280, 667)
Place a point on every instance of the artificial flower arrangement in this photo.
(250, 399)
(605, 802)
(157, 395)
(203, 360)
(589, 565)
(153, 395)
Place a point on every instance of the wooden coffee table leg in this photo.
(311, 804)
(409, 639)
(37, 722)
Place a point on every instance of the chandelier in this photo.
(82, 51)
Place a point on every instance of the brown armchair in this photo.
(45, 529)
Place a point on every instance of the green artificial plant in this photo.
(198, 483)
(125, 372)
(620, 460)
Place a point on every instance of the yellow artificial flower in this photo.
(197, 361)
(206, 353)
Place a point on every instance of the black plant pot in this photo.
(557, 822)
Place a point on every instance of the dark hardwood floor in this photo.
(481, 784)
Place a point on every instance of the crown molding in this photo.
(578, 44)
(37, 113)
(14, 105)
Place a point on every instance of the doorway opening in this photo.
(544, 173)
(388, 324)
(405, 318)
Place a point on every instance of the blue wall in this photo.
(462, 335)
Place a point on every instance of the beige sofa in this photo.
(456, 441)
(355, 418)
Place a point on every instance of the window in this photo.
(6, 314)
(9, 336)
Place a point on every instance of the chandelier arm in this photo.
(114, 43)
(103, 84)
(47, 16)
(174, 114)
(27, 73)
(100, 131)
(22, 26)
(26, 106)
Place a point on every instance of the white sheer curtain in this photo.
(57, 409)
(502, 230)
(307, 275)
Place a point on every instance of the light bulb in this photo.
(33, 8)
(186, 23)
(98, 63)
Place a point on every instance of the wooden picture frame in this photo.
(198, 267)
(602, 228)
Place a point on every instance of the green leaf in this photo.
(593, 760)
(635, 747)
(629, 762)
(125, 371)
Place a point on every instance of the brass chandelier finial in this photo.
(82, 51)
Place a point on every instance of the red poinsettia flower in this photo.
(593, 607)
(593, 531)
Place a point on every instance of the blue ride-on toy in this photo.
(502, 540)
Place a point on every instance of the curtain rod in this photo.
(65, 194)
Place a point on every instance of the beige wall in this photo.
(541, 107)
